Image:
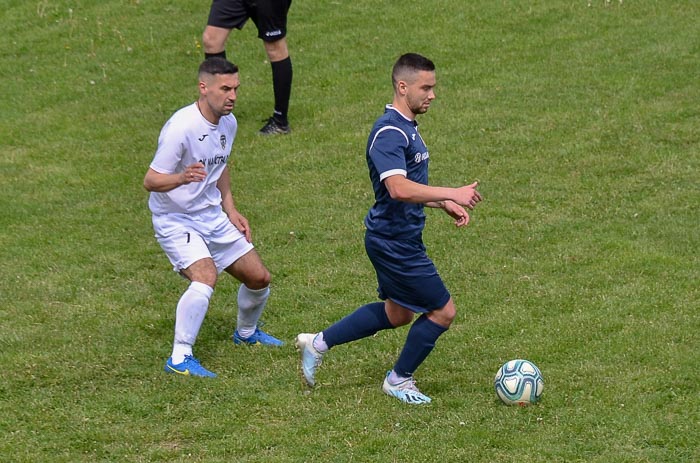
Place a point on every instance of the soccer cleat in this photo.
(310, 357)
(189, 367)
(273, 127)
(259, 337)
(406, 391)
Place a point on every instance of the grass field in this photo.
(581, 120)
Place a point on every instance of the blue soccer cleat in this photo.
(259, 337)
(406, 391)
(189, 367)
(310, 357)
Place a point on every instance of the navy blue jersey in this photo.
(395, 147)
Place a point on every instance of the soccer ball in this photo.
(519, 382)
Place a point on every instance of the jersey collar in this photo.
(390, 107)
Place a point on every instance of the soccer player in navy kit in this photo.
(408, 281)
(195, 218)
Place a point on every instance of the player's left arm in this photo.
(452, 209)
(229, 206)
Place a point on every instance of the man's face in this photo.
(219, 91)
(419, 91)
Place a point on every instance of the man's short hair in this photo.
(410, 63)
(217, 65)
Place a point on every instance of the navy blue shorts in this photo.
(269, 16)
(405, 274)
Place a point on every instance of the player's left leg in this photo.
(421, 339)
(252, 298)
(419, 343)
(282, 74)
(270, 17)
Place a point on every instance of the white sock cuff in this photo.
(202, 288)
(256, 294)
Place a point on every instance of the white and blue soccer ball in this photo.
(519, 382)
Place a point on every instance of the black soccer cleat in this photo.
(273, 127)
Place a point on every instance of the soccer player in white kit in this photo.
(195, 218)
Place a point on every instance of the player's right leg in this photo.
(214, 41)
(224, 15)
(189, 256)
(311, 357)
(363, 322)
(189, 316)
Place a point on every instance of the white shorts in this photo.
(187, 238)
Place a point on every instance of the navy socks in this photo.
(419, 343)
(363, 322)
(370, 318)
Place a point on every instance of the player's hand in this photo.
(241, 223)
(194, 173)
(468, 196)
(457, 212)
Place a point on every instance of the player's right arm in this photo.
(402, 189)
(161, 183)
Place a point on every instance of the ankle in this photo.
(394, 378)
(320, 344)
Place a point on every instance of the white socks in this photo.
(251, 303)
(189, 316)
(193, 306)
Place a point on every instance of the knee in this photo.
(260, 280)
(213, 41)
(277, 50)
(207, 39)
(444, 316)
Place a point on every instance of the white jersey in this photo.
(188, 138)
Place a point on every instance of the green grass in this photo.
(579, 117)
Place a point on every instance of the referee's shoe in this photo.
(275, 127)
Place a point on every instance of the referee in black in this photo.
(270, 17)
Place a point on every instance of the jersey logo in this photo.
(184, 373)
(420, 157)
(222, 139)
(203, 137)
(413, 136)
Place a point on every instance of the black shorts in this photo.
(269, 16)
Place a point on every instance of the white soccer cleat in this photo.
(310, 357)
(406, 391)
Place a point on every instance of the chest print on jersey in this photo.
(222, 139)
(419, 157)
